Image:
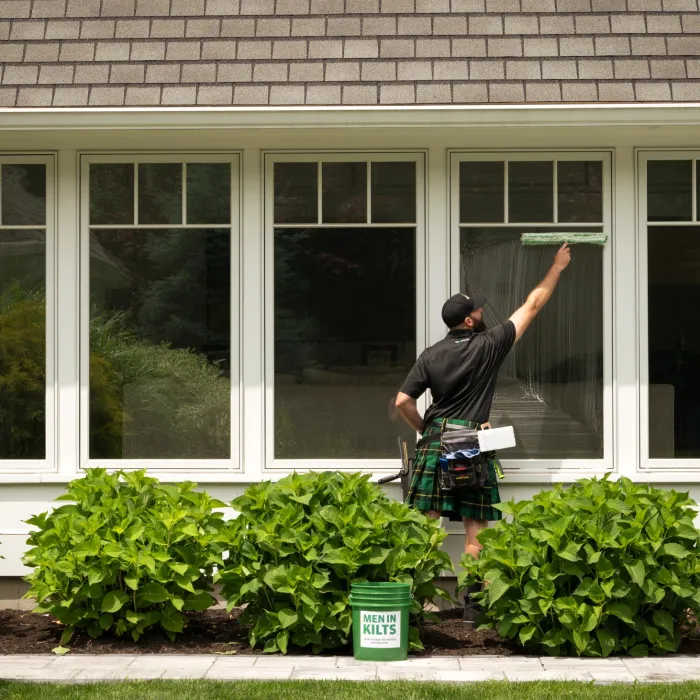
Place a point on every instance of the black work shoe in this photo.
(471, 607)
(470, 615)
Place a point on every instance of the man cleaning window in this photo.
(459, 481)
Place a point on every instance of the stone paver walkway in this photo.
(82, 668)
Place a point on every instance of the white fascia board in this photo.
(664, 114)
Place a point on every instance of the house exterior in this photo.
(227, 228)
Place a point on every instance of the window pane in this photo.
(22, 344)
(550, 388)
(111, 193)
(530, 191)
(23, 195)
(669, 190)
(160, 348)
(481, 190)
(345, 337)
(674, 342)
(580, 191)
(344, 193)
(296, 193)
(393, 193)
(160, 193)
(208, 193)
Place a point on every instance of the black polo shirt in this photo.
(461, 372)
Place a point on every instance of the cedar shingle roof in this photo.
(72, 53)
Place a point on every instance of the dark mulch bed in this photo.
(218, 632)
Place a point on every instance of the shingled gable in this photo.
(107, 53)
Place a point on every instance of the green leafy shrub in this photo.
(298, 544)
(128, 554)
(594, 569)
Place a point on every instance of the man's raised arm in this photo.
(540, 295)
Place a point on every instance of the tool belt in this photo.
(461, 465)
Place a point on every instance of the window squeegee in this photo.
(559, 238)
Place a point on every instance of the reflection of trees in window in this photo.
(160, 319)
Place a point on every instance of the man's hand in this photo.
(562, 258)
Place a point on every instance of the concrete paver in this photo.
(84, 668)
(43, 675)
(349, 673)
(172, 667)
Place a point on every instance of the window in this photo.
(670, 278)
(160, 312)
(26, 311)
(554, 387)
(344, 242)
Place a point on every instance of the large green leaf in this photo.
(621, 610)
(497, 589)
(114, 601)
(287, 618)
(200, 601)
(636, 572)
(526, 633)
(606, 640)
(171, 620)
(674, 550)
(664, 620)
(153, 593)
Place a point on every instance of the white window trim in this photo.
(419, 157)
(49, 463)
(235, 463)
(681, 468)
(553, 467)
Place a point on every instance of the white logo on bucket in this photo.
(380, 630)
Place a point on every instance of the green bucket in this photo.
(380, 620)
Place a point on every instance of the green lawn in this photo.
(342, 690)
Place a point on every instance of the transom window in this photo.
(27, 436)
(344, 250)
(555, 386)
(160, 350)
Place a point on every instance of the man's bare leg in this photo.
(434, 514)
(472, 528)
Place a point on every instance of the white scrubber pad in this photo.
(496, 439)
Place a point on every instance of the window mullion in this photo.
(136, 194)
(506, 213)
(184, 194)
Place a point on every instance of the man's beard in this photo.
(479, 325)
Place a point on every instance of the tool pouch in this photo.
(457, 474)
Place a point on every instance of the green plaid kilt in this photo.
(425, 492)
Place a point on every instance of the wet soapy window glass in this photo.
(551, 386)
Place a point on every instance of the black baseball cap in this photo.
(459, 306)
